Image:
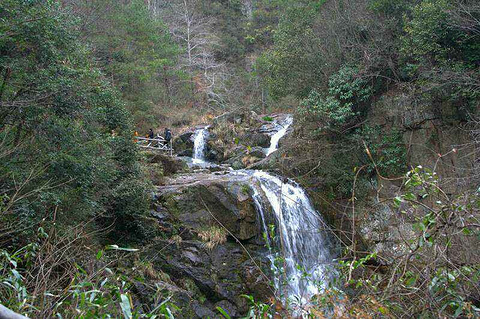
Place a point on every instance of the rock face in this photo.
(197, 206)
(431, 131)
(255, 138)
(202, 200)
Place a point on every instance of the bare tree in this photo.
(194, 34)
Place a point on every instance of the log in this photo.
(6, 313)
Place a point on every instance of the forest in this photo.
(325, 159)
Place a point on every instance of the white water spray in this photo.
(283, 127)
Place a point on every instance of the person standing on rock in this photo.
(168, 135)
(150, 133)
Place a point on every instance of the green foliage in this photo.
(329, 110)
(104, 293)
(267, 118)
(394, 8)
(429, 36)
(348, 86)
(387, 149)
(64, 128)
(442, 51)
(229, 24)
(225, 315)
(294, 65)
(346, 93)
(258, 309)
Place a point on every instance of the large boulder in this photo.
(183, 144)
(201, 200)
(170, 165)
(215, 150)
(255, 139)
(187, 209)
(258, 152)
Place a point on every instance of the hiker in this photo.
(150, 133)
(168, 135)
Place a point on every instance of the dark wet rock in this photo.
(165, 165)
(237, 163)
(203, 312)
(255, 281)
(215, 151)
(159, 215)
(257, 152)
(268, 163)
(201, 200)
(183, 144)
(213, 154)
(255, 139)
(218, 275)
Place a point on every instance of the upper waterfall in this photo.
(282, 130)
(199, 144)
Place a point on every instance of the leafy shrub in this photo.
(347, 94)
(42, 280)
(386, 148)
(267, 118)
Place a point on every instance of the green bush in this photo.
(346, 98)
(387, 149)
(66, 135)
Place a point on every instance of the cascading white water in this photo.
(301, 234)
(283, 127)
(302, 237)
(199, 144)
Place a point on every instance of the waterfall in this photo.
(282, 130)
(299, 251)
(302, 237)
(199, 143)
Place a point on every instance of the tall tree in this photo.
(134, 47)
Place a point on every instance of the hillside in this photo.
(325, 158)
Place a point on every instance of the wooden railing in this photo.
(158, 144)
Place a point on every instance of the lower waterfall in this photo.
(302, 237)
